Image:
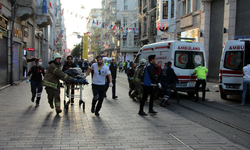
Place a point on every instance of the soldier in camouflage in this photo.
(137, 78)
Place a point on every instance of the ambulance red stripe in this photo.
(161, 47)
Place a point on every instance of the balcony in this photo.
(26, 9)
(42, 19)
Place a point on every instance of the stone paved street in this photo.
(23, 126)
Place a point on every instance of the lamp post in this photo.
(117, 46)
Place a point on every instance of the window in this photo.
(144, 27)
(180, 10)
(137, 58)
(188, 59)
(198, 4)
(152, 3)
(113, 9)
(172, 9)
(189, 7)
(184, 8)
(152, 27)
(125, 4)
(125, 21)
(124, 40)
(135, 25)
(233, 60)
(165, 10)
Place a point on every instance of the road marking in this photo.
(180, 141)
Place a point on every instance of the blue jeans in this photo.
(246, 89)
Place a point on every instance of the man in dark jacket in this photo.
(130, 76)
(113, 69)
(166, 78)
(68, 65)
(149, 81)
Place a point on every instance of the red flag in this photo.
(89, 37)
(96, 37)
(106, 24)
(51, 5)
(97, 23)
(113, 28)
(62, 11)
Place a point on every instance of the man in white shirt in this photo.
(246, 83)
(98, 83)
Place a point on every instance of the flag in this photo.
(158, 26)
(57, 10)
(162, 24)
(96, 22)
(50, 5)
(166, 25)
(113, 28)
(45, 6)
(106, 24)
(89, 36)
(96, 37)
(134, 30)
(62, 11)
(60, 36)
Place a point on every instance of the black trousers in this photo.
(113, 88)
(147, 90)
(203, 83)
(36, 89)
(98, 95)
(72, 88)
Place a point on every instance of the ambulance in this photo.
(184, 56)
(233, 59)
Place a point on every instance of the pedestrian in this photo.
(68, 65)
(51, 81)
(98, 83)
(120, 66)
(82, 65)
(37, 72)
(113, 70)
(166, 78)
(149, 81)
(124, 66)
(157, 73)
(24, 65)
(130, 76)
(200, 71)
(246, 82)
(127, 66)
(137, 78)
(86, 65)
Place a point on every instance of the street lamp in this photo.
(117, 46)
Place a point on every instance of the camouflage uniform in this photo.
(138, 75)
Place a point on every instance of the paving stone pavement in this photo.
(25, 127)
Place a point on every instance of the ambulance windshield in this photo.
(233, 60)
(188, 59)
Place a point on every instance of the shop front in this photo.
(17, 53)
(3, 51)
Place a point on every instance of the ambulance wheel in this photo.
(191, 94)
(223, 95)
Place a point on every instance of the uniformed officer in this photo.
(200, 71)
(137, 78)
(36, 81)
(51, 81)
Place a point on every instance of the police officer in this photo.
(51, 81)
(200, 71)
(36, 81)
(137, 78)
(69, 64)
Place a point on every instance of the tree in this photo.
(76, 50)
(96, 42)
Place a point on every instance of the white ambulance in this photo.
(184, 56)
(233, 59)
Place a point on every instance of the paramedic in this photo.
(98, 83)
(68, 65)
(200, 71)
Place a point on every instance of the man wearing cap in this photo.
(51, 81)
(200, 71)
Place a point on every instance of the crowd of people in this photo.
(146, 78)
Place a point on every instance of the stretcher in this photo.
(78, 85)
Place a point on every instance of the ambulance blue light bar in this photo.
(241, 37)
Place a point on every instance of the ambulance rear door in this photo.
(186, 56)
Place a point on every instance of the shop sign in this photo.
(3, 23)
(187, 21)
(30, 49)
(18, 32)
